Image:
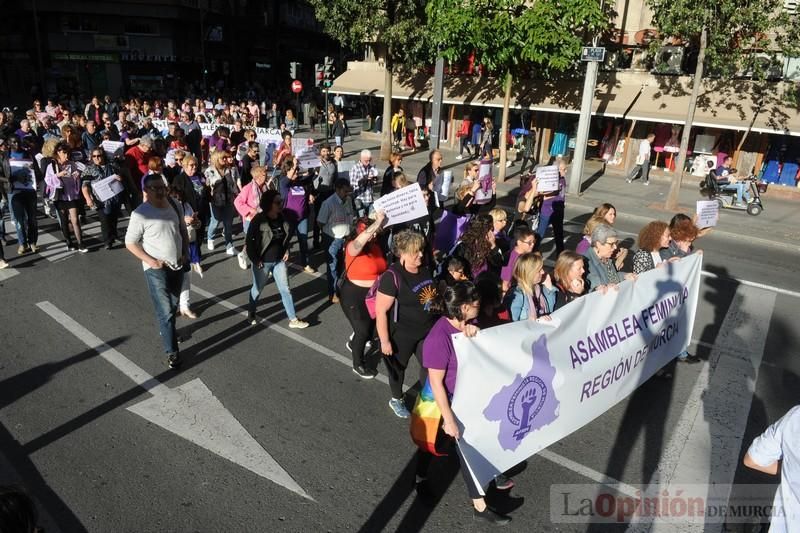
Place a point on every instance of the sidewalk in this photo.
(779, 223)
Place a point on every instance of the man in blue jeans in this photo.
(157, 237)
(336, 219)
(727, 179)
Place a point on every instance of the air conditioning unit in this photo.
(640, 59)
(767, 67)
(669, 60)
(791, 69)
(617, 59)
(790, 6)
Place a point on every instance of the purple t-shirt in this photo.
(438, 352)
(507, 272)
(547, 203)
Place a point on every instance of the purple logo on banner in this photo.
(528, 403)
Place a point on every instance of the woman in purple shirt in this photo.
(63, 180)
(461, 303)
(552, 211)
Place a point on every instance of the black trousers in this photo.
(405, 343)
(423, 465)
(108, 224)
(351, 298)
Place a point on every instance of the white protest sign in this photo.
(707, 213)
(22, 171)
(306, 153)
(521, 387)
(112, 148)
(484, 194)
(343, 169)
(402, 205)
(547, 178)
(107, 188)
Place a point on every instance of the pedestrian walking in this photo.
(643, 161)
(157, 236)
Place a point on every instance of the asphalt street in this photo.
(79, 429)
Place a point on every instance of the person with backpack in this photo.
(404, 296)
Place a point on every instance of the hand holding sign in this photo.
(548, 178)
(707, 213)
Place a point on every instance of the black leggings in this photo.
(404, 344)
(352, 299)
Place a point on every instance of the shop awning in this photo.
(731, 104)
(736, 105)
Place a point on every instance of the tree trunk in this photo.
(675, 187)
(501, 142)
(386, 125)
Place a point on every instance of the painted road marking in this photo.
(705, 445)
(190, 411)
(327, 352)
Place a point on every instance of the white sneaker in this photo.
(242, 260)
(210, 244)
(459, 157)
(308, 269)
(197, 269)
(230, 250)
(3, 264)
(296, 323)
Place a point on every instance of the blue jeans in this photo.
(739, 187)
(281, 276)
(557, 220)
(333, 250)
(164, 285)
(224, 215)
(23, 211)
(301, 230)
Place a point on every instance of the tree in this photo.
(507, 35)
(395, 27)
(727, 33)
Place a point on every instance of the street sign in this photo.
(297, 86)
(593, 53)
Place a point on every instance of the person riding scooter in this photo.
(728, 179)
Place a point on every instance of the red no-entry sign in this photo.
(297, 86)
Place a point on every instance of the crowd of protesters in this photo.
(405, 289)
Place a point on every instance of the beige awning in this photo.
(631, 95)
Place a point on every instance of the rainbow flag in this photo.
(426, 419)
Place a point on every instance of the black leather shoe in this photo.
(490, 517)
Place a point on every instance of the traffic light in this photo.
(319, 75)
(294, 70)
(329, 72)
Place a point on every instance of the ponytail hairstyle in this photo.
(449, 300)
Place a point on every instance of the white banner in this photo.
(523, 386)
(402, 205)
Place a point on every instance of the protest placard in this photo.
(107, 188)
(484, 194)
(547, 178)
(113, 148)
(402, 205)
(707, 213)
(306, 153)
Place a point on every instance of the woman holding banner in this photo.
(568, 274)
(459, 304)
(602, 269)
(533, 296)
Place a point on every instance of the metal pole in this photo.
(576, 174)
(436, 113)
(325, 114)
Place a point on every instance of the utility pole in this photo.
(436, 113)
(590, 55)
